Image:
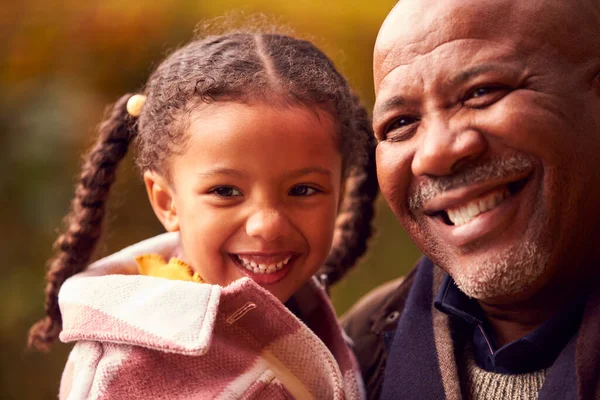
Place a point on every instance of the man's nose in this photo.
(443, 147)
(268, 224)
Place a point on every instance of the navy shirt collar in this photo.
(536, 351)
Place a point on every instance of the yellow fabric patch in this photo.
(155, 265)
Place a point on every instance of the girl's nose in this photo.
(268, 225)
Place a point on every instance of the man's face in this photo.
(488, 117)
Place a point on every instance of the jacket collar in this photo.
(110, 302)
(160, 314)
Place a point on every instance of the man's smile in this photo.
(469, 213)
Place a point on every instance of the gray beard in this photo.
(518, 268)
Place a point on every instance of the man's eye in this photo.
(485, 96)
(303, 190)
(226, 191)
(400, 128)
(479, 92)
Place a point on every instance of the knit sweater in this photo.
(142, 337)
(479, 384)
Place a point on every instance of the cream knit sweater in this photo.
(479, 384)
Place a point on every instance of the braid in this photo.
(74, 248)
(354, 223)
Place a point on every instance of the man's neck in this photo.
(508, 325)
(511, 321)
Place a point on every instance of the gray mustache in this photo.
(492, 169)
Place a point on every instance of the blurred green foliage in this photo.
(60, 64)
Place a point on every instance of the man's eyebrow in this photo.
(464, 76)
(389, 104)
(461, 77)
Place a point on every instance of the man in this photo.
(488, 117)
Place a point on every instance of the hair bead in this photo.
(135, 104)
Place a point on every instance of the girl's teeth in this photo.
(468, 212)
(263, 268)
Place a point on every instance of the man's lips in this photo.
(464, 216)
(456, 198)
(464, 197)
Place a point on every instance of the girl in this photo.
(244, 142)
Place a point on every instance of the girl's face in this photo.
(255, 193)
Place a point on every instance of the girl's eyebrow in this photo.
(241, 174)
(222, 171)
(310, 170)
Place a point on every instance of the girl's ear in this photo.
(161, 198)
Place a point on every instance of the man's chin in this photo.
(508, 275)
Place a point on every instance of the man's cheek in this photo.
(393, 163)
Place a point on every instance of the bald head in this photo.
(570, 27)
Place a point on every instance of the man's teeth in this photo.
(263, 268)
(468, 212)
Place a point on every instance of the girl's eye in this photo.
(400, 128)
(226, 191)
(485, 96)
(303, 190)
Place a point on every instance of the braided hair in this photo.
(239, 66)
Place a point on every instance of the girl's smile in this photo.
(265, 269)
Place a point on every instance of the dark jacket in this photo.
(398, 335)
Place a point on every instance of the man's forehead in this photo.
(415, 27)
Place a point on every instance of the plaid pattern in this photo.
(145, 337)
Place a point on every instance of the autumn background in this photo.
(61, 63)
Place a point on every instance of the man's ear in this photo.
(161, 198)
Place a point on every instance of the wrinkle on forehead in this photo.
(417, 27)
(439, 53)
